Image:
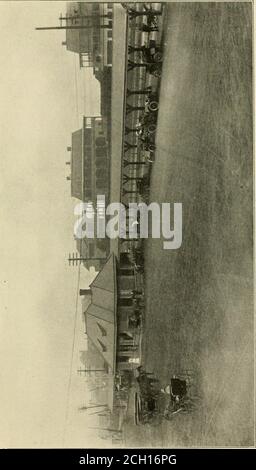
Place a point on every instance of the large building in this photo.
(112, 319)
(90, 177)
(93, 40)
(93, 44)
(90, 160)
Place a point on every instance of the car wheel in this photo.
(153, 106)
(157, 73)
(158, 57)
(151, 128)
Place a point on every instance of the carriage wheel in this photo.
(158, 57)
(153, 106)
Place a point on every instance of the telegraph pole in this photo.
(80, 371)
(81, 26)
(84, 17)
(75, 259)
(47, 28)
(84, 408)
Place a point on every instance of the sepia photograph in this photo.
(127, 225)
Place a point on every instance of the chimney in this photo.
(69, 149)
(85, 292)
(68, 178)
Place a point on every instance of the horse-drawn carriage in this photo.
(153, 403)
(146, 399)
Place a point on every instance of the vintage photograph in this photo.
(126, 274)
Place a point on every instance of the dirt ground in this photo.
(199, 307)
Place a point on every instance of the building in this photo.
(112, 319)
(93, 45)
(93, 41)
(90, 177)
(90, 160)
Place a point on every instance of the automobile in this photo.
(148, 120)
(147, 142)
(152, 53)
(151, 103)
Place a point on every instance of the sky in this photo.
(43, 96)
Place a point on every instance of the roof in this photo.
(101, 317)
(105, 279)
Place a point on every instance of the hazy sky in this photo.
(39, 109)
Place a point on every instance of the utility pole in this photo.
(84, 408)
(81, 26)
(86, 371)
(75, 259)
(48, 28)
(84, 17)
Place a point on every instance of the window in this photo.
(100, 141)
(87, 193)
(110, 33)
(102, 329)
(101, 173)
(126, 272)
(101, 152)
(100, 185)
(123, 359)
(103, 347)
(109, 52)
(88, 167)
(88, 155)
(87, 133)
(125, 302)
(125, 348)
(101, 163)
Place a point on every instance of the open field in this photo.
(199, 307)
